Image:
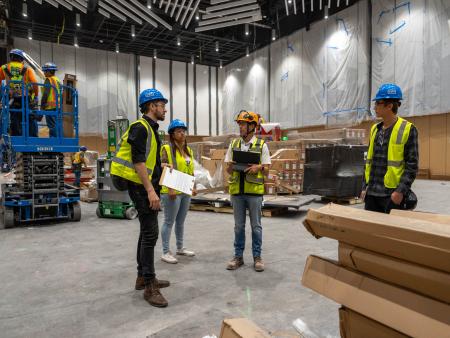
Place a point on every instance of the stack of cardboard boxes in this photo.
(393, 273)
(286, 172)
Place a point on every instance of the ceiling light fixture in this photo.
(326, 12)
(155, 53)
(197, 15)
(30, 34)
(117, 47)
(77, 19)
(247, 29)
(274, 34)
(75, 41)
(220, 64)
(178, 41)
(217, 46)
(247, 52)
(133, 31)
(24, 9)
(149, 4)
(192, 59)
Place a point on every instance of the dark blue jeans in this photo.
(253, 204)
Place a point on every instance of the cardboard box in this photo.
(402, 310)
(426, 216)
(291, 154)
(354, 325)
(241, 328)
(218, 154)
(210, 165)
(413, 240)
(429, 282)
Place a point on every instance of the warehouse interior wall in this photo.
(315, 76)
(105, 81)
(192, 91)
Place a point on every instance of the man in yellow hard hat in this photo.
(246, 188)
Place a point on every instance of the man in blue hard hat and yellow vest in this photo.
(51, 93)
(247, 189)
(137, 167)
(392, 157)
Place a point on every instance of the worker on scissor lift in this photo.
(50, 96)
(15, 70)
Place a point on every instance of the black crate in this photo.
(334, 171)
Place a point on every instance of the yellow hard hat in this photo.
(247, 116)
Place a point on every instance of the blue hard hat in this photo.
(152, 94)
(17, 52)
(49, 66)
(83, 148)
(389, 91)
(176, 124)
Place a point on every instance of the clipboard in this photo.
(177, 180)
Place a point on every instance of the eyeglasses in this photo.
(162, 105)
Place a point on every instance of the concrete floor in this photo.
(77, 279)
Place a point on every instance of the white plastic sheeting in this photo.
(411, 47)
(246, 87)
(314, 75)
(105, 81)
(183, 99)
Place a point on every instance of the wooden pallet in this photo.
(266, 212)
(343, 200)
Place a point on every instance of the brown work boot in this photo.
(235, 263)
(258, 264)
(153, 296)
(140, 284)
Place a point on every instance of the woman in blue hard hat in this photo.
(176, 155)
(393, 156)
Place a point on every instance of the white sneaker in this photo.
(168, 258)
(184, 252)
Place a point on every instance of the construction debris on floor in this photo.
(393, 272)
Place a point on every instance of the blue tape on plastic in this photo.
(398, 27)
(387, 42)
(381, 14)
(284, 77)
(343, 111)
(290, 47)
(408, 4)
(343, 24)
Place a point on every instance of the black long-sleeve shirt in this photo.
(137, 138)
(379, 163)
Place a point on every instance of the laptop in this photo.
(244, 158)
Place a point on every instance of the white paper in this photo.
(177, 180)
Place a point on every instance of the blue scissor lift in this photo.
(39, 193)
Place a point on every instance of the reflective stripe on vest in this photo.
(51, 98)
(15, 71)
(395, 160)
(122, 164)
(253, 183)
(179, 163)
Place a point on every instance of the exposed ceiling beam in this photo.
(229, 5)
(194, 9)
(229, 18)
(124, 11)
(185, 12)
(180, 9)
(65, 4)
(53, 3)
(230, 11)
(78, 6)
(104, 13)
(150, 13)
(215, 2)
(228, 24)
(112, 11)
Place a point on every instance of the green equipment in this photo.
(112, 203)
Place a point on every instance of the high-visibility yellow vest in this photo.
(15, 71)
(179, 164)
(396, 148)
(52, 97)
(122, 164)
(253, 183)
